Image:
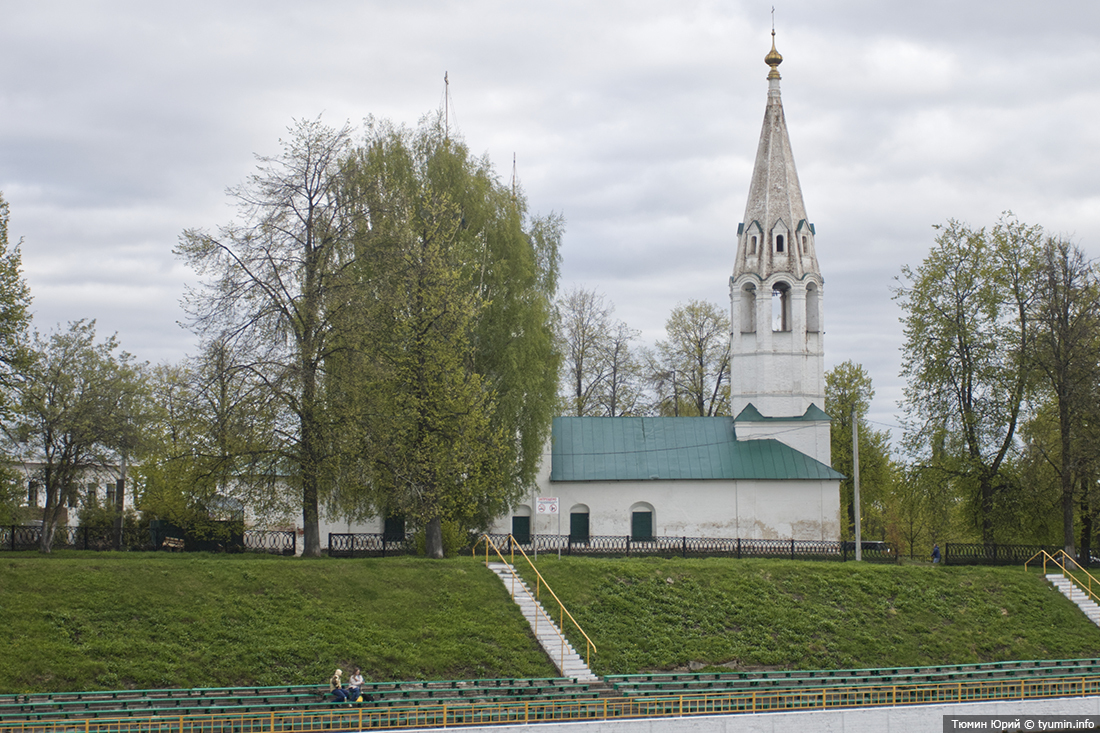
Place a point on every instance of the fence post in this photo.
(569, 545)
(628, 544)
(738, 548)
(844, 550)
(792, 548)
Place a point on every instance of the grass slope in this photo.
(654, 614)
(82, 621)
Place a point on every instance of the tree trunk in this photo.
(433, 539)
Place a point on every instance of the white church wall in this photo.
(801, 510)
(811, 438)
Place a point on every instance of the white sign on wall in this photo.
(547, 505)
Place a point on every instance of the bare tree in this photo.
(279, 293)
(690, 370)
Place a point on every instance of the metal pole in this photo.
(855, 484)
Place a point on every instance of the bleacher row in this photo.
(249, 700)
(640, 688)
(665, 684)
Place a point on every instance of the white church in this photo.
(765, 473)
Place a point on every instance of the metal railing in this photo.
(362, 544)
(140, 539)
(590, 648)
(790, 549)
(454, 714)
(1064, 562)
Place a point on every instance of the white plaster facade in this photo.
(761, 509)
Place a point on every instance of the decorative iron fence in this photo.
(965, 553)
(369, 544)
(141, 539)
(619, 545)
(272, 541)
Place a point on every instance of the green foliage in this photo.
(82, 408)
(848, 389)
(101, 516)
(967, 357)
(455, 374)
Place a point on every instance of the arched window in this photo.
(781, 307)
(752, 245)
(779, 243)
(813, 308)
(748, 308)
(578, 524)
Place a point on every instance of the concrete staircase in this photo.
(568, 662)
(1078, 596)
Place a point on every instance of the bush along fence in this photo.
(378, 545)
(278, 542)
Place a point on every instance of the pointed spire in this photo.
(775, 235)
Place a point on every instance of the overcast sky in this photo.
(122, 123)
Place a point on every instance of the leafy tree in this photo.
(848, 392)
(1067, 351)
(967, 356)
(690, 370)
(80, 403)
(210, 444)
(15, 302)
(460, 359)
(279, 293)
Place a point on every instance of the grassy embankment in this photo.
(81, 621)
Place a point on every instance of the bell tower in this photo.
(777, 352)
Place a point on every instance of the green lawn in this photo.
(115, 620)
(82, 621)
(655, 614)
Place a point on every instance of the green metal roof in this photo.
(813, 413)
(652, 448)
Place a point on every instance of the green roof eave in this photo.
(813, 414)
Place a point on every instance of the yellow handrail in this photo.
(590, 648)
(1071, 562)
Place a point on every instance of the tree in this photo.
(1067, 350)
(461, 361)
(690, 370)
(280, 293)
(210, 444)
(602, 373)
(622, 393)
(15, 302)
(848, 393)
(80, 404)
(583, 324)
(967, 357)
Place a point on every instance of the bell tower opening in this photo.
(781, 307)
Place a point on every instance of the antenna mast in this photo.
(447, 102)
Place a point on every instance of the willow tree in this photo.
(460, 374)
